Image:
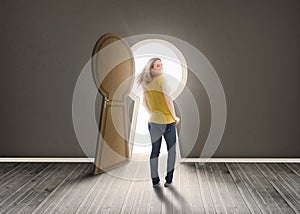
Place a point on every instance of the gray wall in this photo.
(253, 46)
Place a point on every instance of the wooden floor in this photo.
(198, 188)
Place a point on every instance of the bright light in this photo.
(172, 68)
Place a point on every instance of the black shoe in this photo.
(167, 184)
(156, 185)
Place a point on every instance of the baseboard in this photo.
(242, 160)
(216, 160)
(63, 160)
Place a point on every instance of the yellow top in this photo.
(156, 101)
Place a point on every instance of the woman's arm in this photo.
(169, 101)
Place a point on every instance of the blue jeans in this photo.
(156, 132)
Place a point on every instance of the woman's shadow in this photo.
(169, 204)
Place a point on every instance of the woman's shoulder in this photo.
(156, 82)
(159, 79)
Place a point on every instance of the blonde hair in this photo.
(146, 76)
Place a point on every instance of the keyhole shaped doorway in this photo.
(175, 70)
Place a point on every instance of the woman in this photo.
(163, 119)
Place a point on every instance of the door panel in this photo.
(115, 149)
(113, 141)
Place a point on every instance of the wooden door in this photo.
(113, 148)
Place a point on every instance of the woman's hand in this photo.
(177, 119)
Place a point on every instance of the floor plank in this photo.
(11, 189)
(7, 168)
(58, 193)
(185, 193)
(142, 205)
(77, 192)
(243, 189)
(197, 188)
(123, 190)
(279, 183)
(294, 167)
(196, 197)
(14, 174)
(207, 199)
(44, 189)
(214, 190)
(176, 190)
(27, 192)
(271, 198)
(231, 188)
(101, 195)
(101, 181)
(134, 199)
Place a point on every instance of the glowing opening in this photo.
(175, 66)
